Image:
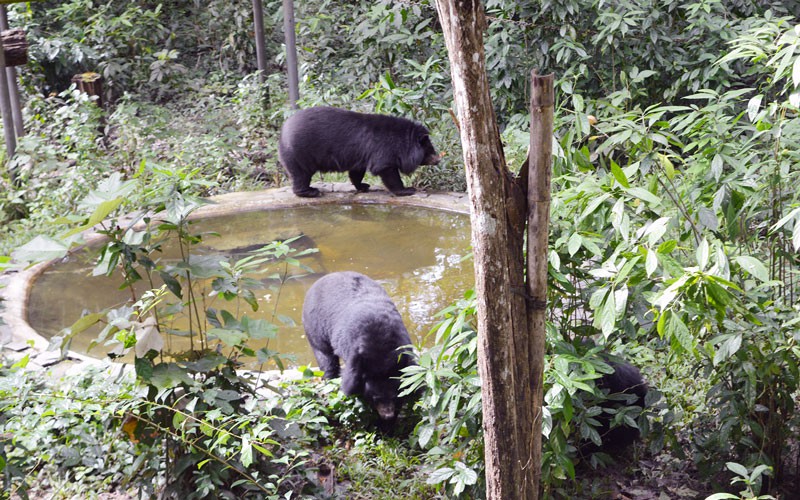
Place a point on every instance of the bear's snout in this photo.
(432, 159)
(386, 410)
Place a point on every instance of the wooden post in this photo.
(291, 52)
(258, 24)
(498, 216)
(541, 147)
(90, 83)
(5, 108)
(11, 76)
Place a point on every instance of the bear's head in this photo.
(381, 394)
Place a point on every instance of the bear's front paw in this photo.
(362, 187)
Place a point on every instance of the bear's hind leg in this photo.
(301, 185)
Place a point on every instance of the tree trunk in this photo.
(498, 216)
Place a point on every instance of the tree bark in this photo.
(498, 209)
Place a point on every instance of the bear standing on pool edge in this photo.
(348, 315)
(327, 139)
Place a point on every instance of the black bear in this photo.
(347, 315)
(624, 387)
(325, 139)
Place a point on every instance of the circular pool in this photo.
(416, 247)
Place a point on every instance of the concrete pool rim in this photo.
(19, 335)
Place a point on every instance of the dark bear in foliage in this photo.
(625, 387)
(324, 139)
(347, 315)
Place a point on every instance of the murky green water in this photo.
(415, 253)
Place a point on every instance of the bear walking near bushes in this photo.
(347, 315)
(324, 139)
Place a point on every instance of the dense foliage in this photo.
(674, 239)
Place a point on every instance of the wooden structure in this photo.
(13, 52)
(15, 46)
(90, 83)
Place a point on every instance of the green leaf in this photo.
(593, 204)
(247, 452)
(667, 247)
(651, 262)
(605, 318)
(262, 450)
(644, 195)
(577, 103)
(753, 266)
(144, 369)
(785, 219)
(667, 165)
(619, 175)
(40, 249)
(168, 375)
(728, 348)
(738, 469)
(716, 166)
(99, 215)
(22, 363)
(574, 243)
(228, 336)
(259, 328)
(425, 434)
(702, 254)
(666, 297)
(796, 237)
(173, 285)
(679, 332)
(440, 475)
(796, 72)
(86, 322)
(754, 105)
(109, 189)
(656, 230)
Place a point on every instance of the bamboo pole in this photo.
(541, 147)
(258, 25)
(291, 52)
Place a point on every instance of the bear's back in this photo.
(351, 304)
